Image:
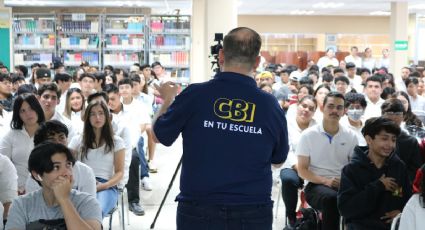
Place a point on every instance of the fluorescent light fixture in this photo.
(417, 7)
(301, 12)
(327, 5)
(380, 13)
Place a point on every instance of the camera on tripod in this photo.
(215, 49)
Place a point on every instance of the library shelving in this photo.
(79, 39)
(123, 40)
(34, 38)
(170, 42)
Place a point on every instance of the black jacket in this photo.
(362, 198)
(407, 149)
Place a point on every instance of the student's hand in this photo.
(167, 90)
(332, 182)
(389, 216)
(389, 183)
(100, 186)
(61, 187)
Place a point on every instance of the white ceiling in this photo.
(245, 7)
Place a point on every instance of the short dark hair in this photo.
(49, 86)
(111, 88)
(319, 87)
(338, 70)
(387, 92)
(156, 64)
(125, 81)
(144, 66)
(362, 70)
(62, 77)
(26, 88)
(40, 159)
(97, 94)
(23, 69)
(350, 65)
(32, 101)
(5, 77)
(241, 45)
(111, 68)
(351, 98)
(135, 77)
(100, 76)
(375, 125)
(48, 128)
(375, 78)
(309, 88)
(334, 94)
(16, 78)
(409, 80)
(306, 81)
(392, 105)
(342, 78)
(415, 74)
(327, 77)
(89, 75)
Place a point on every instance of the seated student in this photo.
(342, 84)
(50, 164)
(374, 186)
(8, 185)
(407, 147)
(412, 217)
(356, 105)
(322, 152)
(55, 131)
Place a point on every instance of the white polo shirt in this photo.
(328, 155)
(373, 109)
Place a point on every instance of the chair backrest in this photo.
(396, 222)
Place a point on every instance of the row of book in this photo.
(169, 42)
(34, 42)
(121, 25)
(23, 58)
(121, 59)
(125, 41)
(75, 58)
(80, 26)
(173, 59)
(170, 25)
(40, 25)
(79, 43)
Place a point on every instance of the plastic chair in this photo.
(396, 222)
(120, 202)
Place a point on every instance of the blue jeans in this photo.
(291, 182)
(107, 198)
(193, 216)
(144, 171)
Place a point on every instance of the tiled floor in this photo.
(166, 159)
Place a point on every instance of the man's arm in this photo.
(305, 173)
(168, 92)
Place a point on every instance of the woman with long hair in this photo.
(103, 151)
(410, 119)
(291, 182)
(413, 215)
(320, 94)
(74, 107)
(18, 142)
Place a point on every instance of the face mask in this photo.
(355, 114)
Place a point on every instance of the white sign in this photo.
(78, 17)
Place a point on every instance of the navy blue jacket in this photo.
(362, 198)
(232, 132)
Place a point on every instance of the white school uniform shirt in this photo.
(17, 146)
(417, 104)
(294, 134)
(373, 109)
(412, 217)
(135, 114)
(356, 60)
(369, 63)
(8, 180)
(328, 155)
(5, 123)
(357, 131)
(59, 117)
(98, 159)
(325, 61)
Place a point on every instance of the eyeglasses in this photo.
(394, 113)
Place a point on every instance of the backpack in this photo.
(309, 220)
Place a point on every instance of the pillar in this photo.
(208, 18)
(399, 28)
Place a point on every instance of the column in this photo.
(5, 35)
(399, 28)
(208, 18)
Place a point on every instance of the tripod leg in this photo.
(166, 193)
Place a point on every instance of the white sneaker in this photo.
(146, 184)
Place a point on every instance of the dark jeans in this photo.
(193, 216)
(291, 182)
(133, 185)
(323, 198)
(144, 170)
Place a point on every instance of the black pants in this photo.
(323, 198)
(133, 184)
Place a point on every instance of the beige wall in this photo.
(87, 10)
(317, 24)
